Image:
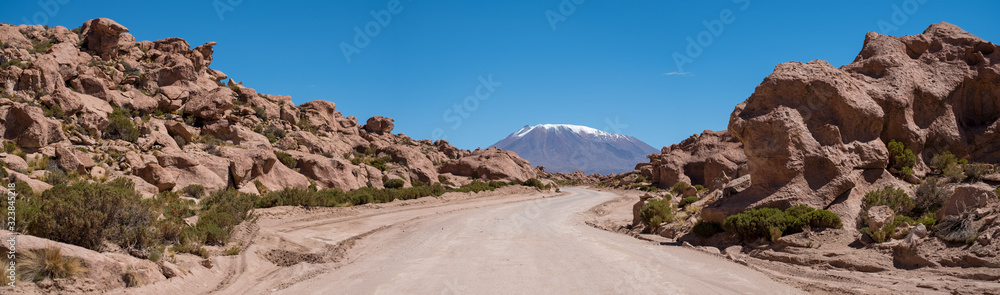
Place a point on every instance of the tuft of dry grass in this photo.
(131, 278)
(49, 263)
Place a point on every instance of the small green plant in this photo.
(901, 157)
(976, 171)
(232, 251)
(688, 201)
(394, 183)
(656, 211)
(679, 188)
(121, 126)
(181, 142)
(286, 159)
(40, 46)
(706, 229)
(261, 188)
(930, 196)
(194, 191)
(534, 182)
(890, 196)
(950, 166)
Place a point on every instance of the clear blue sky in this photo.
(606, 61)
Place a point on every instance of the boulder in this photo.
(175, 68)
(814, 134)
(490, 164)
(10, 35)
(37, 186)
(156, 175)
(280, 177)
(14, 162)
(711, 159)
(28, 127)
(419, 166)
(170, 270)
(879, 216)
(175, 128)
(105, 37)
(172, 45)
(238, 134)
(966, 198)
(321, 115)
(212, 105)
(69, 162)
(333, 172)
(379, 124)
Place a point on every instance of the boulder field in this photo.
(104, 105)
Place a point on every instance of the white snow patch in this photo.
(572, 128)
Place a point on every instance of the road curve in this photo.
(541, 246)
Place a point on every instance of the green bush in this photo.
(901, 157)
(86, 214)
(948, 165)
(220, 213)
(121, 127)
(55, 177)
(757, 223)
(273, 133)
(656, 211)
(688, 201)
(890, 196)
(286, 159)
(706, 229)
(976, 171)
(535, 183)
(474, 187)
(679, 188)
(181, 142)
(930, 196)
(822, 218)
(498, 184)
(194, 191)
(394, 183)
(772, 223)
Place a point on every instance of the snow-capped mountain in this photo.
(567, 148)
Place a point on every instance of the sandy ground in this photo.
(506, 242)
(828, 269)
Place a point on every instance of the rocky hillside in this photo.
(97, 103)
(901, 142)
(569, 148)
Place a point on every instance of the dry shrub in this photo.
(49, 263)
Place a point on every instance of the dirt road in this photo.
(541, 246)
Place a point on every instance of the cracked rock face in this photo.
(817, 135)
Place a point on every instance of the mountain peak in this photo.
(568, 148)
(564, 127)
